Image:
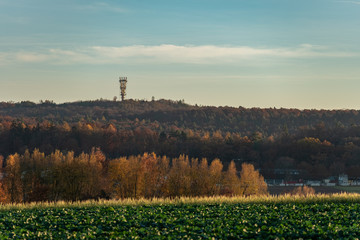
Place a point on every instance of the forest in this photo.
(318, 143)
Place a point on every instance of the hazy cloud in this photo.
(31, 57)
(353, 2)
(209, 52)
(171, 53)
(102, 6)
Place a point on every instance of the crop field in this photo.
(314, 217)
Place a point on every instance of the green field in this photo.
(288, 218)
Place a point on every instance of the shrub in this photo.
(303, 191)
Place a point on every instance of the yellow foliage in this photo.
(64, 176)
(111, 129)
(215, 173)
(66, 127)
(179, 179)
(251, 182)
(88, 127)
(231, 180)
(4, 195)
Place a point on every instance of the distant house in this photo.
(343, 180)
(282, 178)
(329, 182)
(294, 183)
(313, 183)
(354, 181)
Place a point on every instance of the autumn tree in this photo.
(57, 160)
(12, 178)
(136, 177)
(215, 177)
(195, 179)
(72, 176)
(162, 189)
(77, 177)
(4, 196)
(231, 184)
(34, 173)
(127, 177)
(155, 174)
(118, 169)
(179, 179)
(251, 182)
(204, 174)
(200, 178)
(96, 184)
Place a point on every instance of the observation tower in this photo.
(122, 81)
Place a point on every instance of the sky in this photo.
(251, 53)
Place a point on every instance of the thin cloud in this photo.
(3, 59)
(102, 6)
(210, 53)
(168, 53)
(352, 2)
(31, 57)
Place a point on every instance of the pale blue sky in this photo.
(251, 53)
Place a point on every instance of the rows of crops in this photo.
(325, 219)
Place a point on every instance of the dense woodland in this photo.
(318, 143)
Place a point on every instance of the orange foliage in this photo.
(4, 195)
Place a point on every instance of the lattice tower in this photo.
(123, 81)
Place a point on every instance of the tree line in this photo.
(317, 152)
(36, 176)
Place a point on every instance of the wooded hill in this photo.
(319, 143)
(167, 113)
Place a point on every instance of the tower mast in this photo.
(123, 81)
